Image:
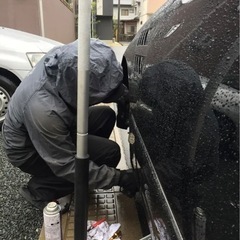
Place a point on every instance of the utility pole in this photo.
(118, 24)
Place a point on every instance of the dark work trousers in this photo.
(46, 186)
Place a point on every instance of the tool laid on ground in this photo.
(95, 224)
(101, 230)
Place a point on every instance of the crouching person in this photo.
(39, 131)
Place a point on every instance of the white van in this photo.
(19, 53)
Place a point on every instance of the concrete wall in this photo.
(104, 28)
(107, 8)
(21, 15)
(147, 8)
(104, 7)
(154, 5)
(104, 22)
(59, 22)
(56, 21)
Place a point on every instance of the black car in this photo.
(182, 71)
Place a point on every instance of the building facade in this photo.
(57, 19)
(103, 19)
(132, 14)
(53, 19)
(146, 8)
(125, 19)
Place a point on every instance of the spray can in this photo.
(52, 221)
(199, 224)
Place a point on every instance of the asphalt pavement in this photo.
(19, 220)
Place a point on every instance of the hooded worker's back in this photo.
(51, 90)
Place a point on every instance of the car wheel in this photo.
(7, 88)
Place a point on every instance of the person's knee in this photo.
(105, 111)
(110, 113)
(114, 154)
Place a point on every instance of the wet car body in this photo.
(182, 71)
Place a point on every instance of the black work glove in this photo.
(121, 97)
(128, 182)
(123, 113)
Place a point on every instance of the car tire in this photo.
(7, 88)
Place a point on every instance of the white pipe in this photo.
(41, 18)
(84, 30)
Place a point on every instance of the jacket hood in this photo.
(105, 71)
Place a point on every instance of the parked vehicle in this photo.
(182, 71)
(19, 53)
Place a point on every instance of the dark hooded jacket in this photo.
(42, 112)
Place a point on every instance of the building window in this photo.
(131, 10)
(124, 12)
(130, 29)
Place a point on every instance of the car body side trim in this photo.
(159, 185)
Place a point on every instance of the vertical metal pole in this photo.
(81, 162)
(118, 24)
(41, 18)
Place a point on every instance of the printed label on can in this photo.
(52, 222)
(52, 227)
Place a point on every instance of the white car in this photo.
(19, 53)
